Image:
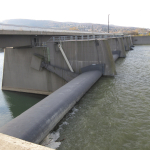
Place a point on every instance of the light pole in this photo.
(108, 23)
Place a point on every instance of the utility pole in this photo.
(108, 23)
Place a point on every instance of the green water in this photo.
(13, 104)
(115, 113)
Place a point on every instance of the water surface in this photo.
(13, 104)
(115, 113)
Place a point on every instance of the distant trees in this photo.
(134, 33)
(74, 28)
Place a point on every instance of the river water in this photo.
(113, 115)
(13, 104)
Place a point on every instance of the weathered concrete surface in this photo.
(83, 53)
(12, 143)
(141, 40)
(36, 122)
(21, 40)
(116, 44)
(21, 73)
(126, 43)
(18, 75)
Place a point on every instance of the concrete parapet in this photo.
(12, 143)
(141, 40)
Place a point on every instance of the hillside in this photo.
(75, 26)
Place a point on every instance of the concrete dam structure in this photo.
(63, 67)
(25, 63)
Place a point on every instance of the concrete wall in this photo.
(141, 40)
(117, 44)
(83, 53)
(20, 40)
(126, 43)
(12, 143)
(19, 76)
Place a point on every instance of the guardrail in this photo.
(74, 38)
(82, 37)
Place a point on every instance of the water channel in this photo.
(114, 114)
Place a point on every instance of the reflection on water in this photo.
(13, 104)
(115, 113)
(19, 102)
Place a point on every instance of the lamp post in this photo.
(108, 23)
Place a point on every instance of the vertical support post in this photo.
(88, 37)
(82, 37)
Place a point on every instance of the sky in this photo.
(122, 13)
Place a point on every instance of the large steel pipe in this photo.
(35, 123)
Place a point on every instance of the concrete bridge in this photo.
(24, 36)
(64, 63)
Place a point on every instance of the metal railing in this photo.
(39, 44)
(82, 37)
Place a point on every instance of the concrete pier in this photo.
(126, 44)
(23, 72)
(116, 44)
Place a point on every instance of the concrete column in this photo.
(126, 44)
(116, 44)
(18, 74)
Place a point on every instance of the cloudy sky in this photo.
(124, 13)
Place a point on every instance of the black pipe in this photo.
(36, 122)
